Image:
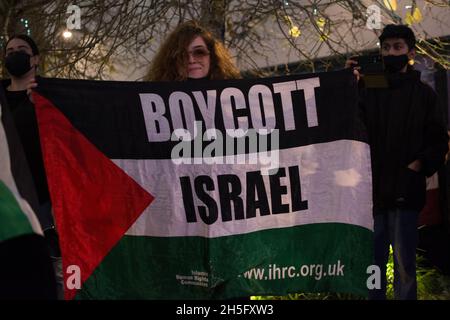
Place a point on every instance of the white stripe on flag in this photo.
(335, 180)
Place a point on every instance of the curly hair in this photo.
(171, 59)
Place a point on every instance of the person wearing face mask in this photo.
(190, 52)
(21, 59)
(408, 141)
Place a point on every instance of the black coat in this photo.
(404, 124)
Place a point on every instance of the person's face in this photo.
(20, 45)
(396, 47)
(198, 62)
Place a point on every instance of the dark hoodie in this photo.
(24, 116)
(404, 124)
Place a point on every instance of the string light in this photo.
(415, 17)
(295, 32)
(391, 4)
(26, 26)
(67, 34)
(321, 22)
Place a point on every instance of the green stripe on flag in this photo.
(13, 222)
(301, 259)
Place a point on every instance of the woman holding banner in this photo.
(192, 52)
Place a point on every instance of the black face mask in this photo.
(393, 64)
(18, 63)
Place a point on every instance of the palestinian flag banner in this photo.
(208, 189)
(16, 215)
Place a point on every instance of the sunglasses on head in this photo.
(199, 53)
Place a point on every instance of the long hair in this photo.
(170, 61)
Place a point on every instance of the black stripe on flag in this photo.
(110, 115)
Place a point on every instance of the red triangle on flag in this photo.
(94, 201)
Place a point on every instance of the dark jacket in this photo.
(404, 124)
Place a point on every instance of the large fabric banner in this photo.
(208, 189)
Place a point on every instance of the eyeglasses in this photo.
(198, 53)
